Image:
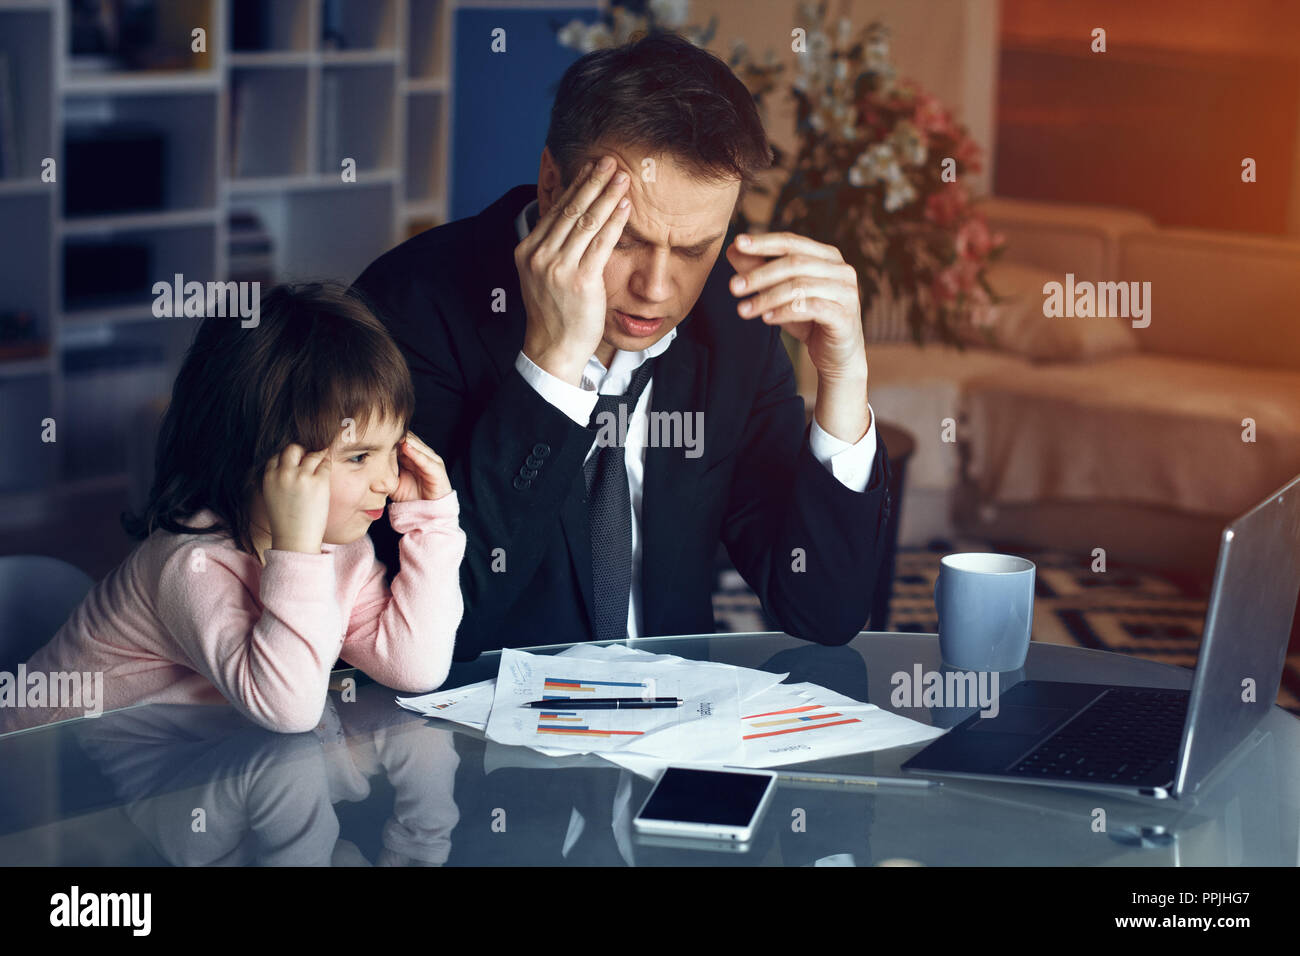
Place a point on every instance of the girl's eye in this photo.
(354, 458)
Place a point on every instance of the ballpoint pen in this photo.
(605, 703)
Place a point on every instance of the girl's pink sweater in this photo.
(189, 618)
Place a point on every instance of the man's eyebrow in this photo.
(631, 233)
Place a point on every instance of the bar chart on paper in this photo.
(704, 724)
(577, 723)
(793, 723)
(794, 720)
(591, 723)
(574, 687)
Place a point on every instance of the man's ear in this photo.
(549, 180)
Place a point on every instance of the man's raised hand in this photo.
(561, 267)
(806, 287)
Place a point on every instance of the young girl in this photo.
(281, 445)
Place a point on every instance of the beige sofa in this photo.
(1078, 433)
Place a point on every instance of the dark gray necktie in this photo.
(609, 512)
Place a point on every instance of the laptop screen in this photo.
(1247, 626)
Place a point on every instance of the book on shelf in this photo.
(330, 105)
(19, 336)
(250, 25)
(103, 388)
(331, 26)
(249, 248)
(240, 94)
(14, 352)
(8, 128)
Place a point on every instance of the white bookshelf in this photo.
(263, 129)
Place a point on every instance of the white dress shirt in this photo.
(850, 464)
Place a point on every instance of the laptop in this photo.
(1150, 741)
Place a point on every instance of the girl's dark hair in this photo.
(317, 356)
(662, 94)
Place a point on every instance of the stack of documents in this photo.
(732, 716)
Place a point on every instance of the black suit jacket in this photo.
(516, 461)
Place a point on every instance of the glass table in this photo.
(378, 785)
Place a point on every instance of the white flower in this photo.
(855, 176)
(670, 13)
(897, 197)
(907, 140)
(625, 24)
(877, 47)
(597, 38)
(877, 159)
(572, 33)
(845, 29)
(886, 75)
(841, 69)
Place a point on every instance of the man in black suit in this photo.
(524, 325)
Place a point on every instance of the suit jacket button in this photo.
(541, 449)
(528, 473)
(521, 485)
(533, 462)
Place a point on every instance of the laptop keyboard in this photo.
(1124, 737)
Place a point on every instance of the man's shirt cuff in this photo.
(577, 403)
(850, 464)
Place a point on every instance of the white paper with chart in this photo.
(793, 723)
(703, 728)
(468, 705)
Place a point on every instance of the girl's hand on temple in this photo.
(421, 473)
(296, 489)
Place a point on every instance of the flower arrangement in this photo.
(878, 171)
(617, 26)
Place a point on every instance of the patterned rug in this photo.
(1126, 610)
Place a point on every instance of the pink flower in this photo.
(968, 155)
(973, 240)
(931, 117)
(944, 287)
(959, 277)
(945, 206)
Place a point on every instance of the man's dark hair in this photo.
(662, 94)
